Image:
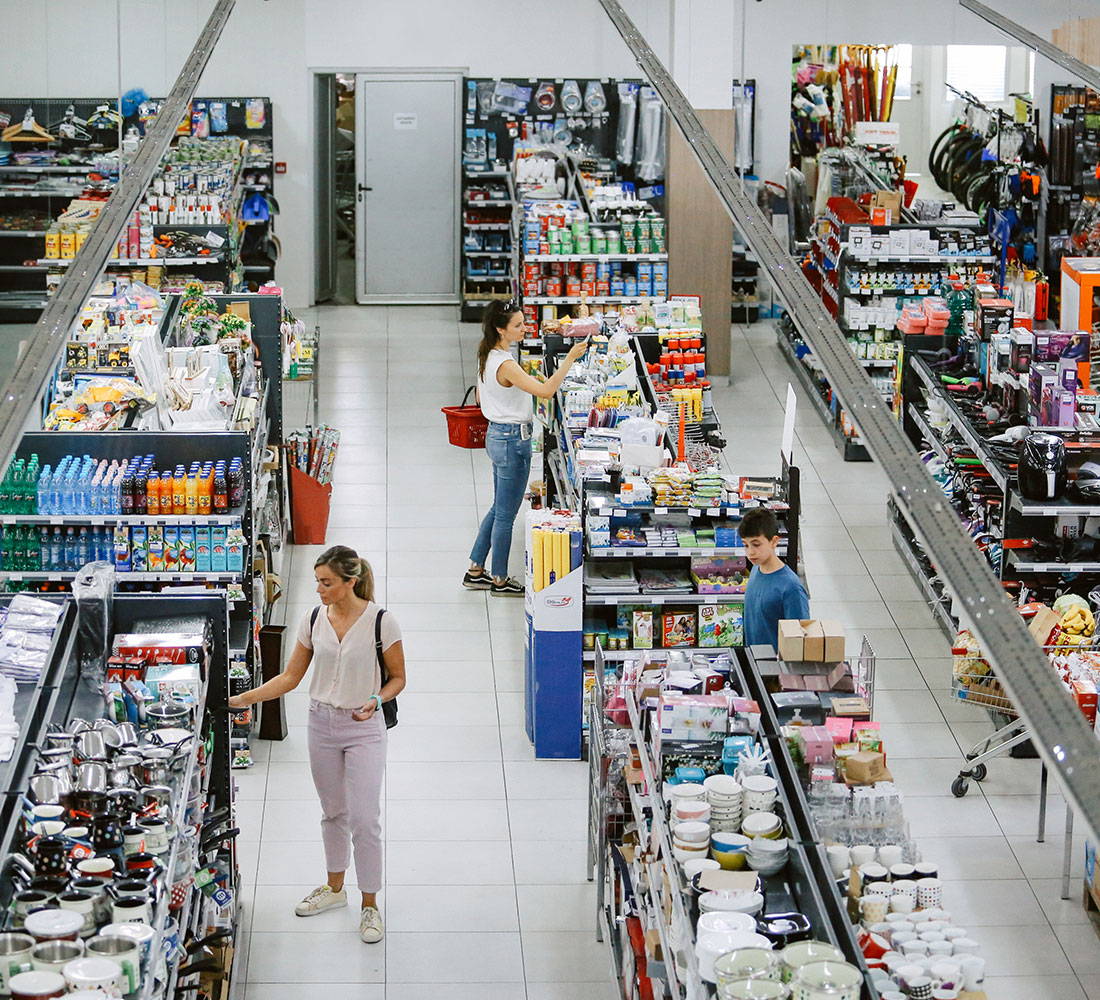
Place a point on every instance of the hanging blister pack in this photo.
(255, 115)
(595, 100)
(651, 146)
(545, 97)
(571, 100)
(628, 117)
(510, 98)
(219, 120)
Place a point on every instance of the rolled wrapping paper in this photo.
(561, 560)
(536, 557)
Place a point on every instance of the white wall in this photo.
(270, 48)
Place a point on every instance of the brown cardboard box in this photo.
(792, 637)
(834, 641)
(1042, 623)
(865, 768)
(851, 708)
(890, 200)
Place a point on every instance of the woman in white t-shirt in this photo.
(347, 733)
(504, 392)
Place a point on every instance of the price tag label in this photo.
(694, 512)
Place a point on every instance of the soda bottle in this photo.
(141, 478)
(19, 558)
(34, 554)
(192, 490)
(221, 490)
(206, 492)
(179, 491)
(126, 491)
(44, 548)
(166, 492)
(236, 484)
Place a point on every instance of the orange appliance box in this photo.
(1080, 306)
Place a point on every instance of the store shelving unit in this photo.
(646, 871)
(488, 201)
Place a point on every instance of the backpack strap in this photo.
(313, 620)
(383, 675)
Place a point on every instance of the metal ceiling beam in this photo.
(23, 390)
(1060, 732)
(1082, 70)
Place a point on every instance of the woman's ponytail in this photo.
(496, 317)
(347, 565)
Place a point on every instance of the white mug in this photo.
(889, 855)
(862, 854)
(973, 970)
(900, 903)
(840, 858)
(873, 908)
(131, 909)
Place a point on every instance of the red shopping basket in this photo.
(466, 425)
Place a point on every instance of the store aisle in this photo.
(485, 863)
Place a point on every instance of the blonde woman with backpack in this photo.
(358, 666)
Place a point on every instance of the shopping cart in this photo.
(974, 681)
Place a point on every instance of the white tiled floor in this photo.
(485, 892)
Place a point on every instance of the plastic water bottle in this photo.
(82, 559)
(43, 548)
(42, 492)
(57, 550)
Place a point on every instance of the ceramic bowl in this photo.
(682, 855)
(718, 921)
(691, 811)
(696, 865)
(688, 792)
(722, 786)
(722, 841)
(731, 861)
(709, 947)
(692, 832)
(736, 902)
(760, 783)
(762, 824)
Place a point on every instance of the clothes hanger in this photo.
(71, 127)
(103, 117)
(27, 131)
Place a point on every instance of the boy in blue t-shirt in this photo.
(774, 590)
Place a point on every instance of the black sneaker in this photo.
(509, 588)
(477, 581)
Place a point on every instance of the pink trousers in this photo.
(348, 761)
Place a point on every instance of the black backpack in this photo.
(389, 708)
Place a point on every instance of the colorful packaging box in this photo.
(721, 625)
(156, 548)
(187, 548)
(642, 628)
(234, 550)
(171, 548)
(677, 629)
(139, 548)
(202, 548)
(122, 548)
(217, 549)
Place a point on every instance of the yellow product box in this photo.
(68, 244)
(53, 244)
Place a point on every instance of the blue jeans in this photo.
(511, 458)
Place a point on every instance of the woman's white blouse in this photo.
(346, 673)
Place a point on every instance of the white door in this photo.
(408, 139)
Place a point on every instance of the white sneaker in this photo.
(370, 925)
(322, 898)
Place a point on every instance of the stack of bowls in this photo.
(687, 792)
(759, 793)
(712, 945)
(729, 849)
(762, 824)
(724, 796)
(689, 810)
(731, 901)
(690, 840)
(767, 856)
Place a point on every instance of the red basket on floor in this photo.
(466, 425)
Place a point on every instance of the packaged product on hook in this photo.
(93, 588)
(651, 147)
(219, 121)
(254, 114)
(545, 97)
(571, 100)
(485, 90)
(628, 114)
(510, 98)
(595, 100)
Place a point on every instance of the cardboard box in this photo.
(693, 717)
(852, 708)
(865, 768)
(810, 640)
(1042, 623)
(817, 744)
(792, 638)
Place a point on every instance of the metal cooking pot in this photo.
(91, 776)
(169, 715)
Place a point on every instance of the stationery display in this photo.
(312, 451)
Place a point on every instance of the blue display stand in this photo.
(553, 668)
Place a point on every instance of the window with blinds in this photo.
(978, 69)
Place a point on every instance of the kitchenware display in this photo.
(691, 832)
(694, 866)
(53, 956)
(89, 746)
(829, 980)
(747, 963)
(169, 716)
(739, 902)
(54, 924)
(51, 856)
(801, 953)
(123, 950)
(15, 957)
(754, 989)
(141, 934)
(36, 985)
(83, 903)
(131, 909)
(723, 921)
(762, 824)
(28, 901)
(688, 792)
(713, 945)
(101, 868)
(95, 973)
(100, 891)
(156, 832)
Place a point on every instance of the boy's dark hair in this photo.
(759, 523)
